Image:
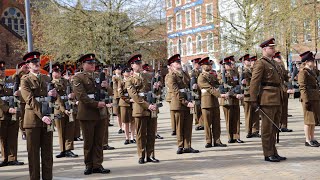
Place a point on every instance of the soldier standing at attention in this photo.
(266, 92)
(194, 73)
(168, 99)
(208, 84)
(64, 125)
(285, 78)
(125, 104)
(34, 91)
(178, 83)
(116, 109)
(22, 70)
(310, 98)
(231, 105)
(137, 87)
(91, 113)
(9, 126)
(252, 117)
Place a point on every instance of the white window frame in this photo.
(209, 13)
(178, 28)
(208, 40)
(189, 49)
(197, 45)
(170, 48)
(188, 11)
(307, 32)
(178, 4)
(168, 7)
(196, 16)
(188, 1)
(170, 20)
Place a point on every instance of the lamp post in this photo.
(28, 26)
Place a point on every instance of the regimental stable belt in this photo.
(270, 84)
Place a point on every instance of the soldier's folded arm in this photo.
(203, 84)
(175, 90)
(303, 86)
(29, 98)
(256, 79)
(135, 95)
(81, 94)
(3, 106)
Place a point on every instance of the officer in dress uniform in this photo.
(9, 126)
(231, 103)
(91, 113)
(286, 91)
(178, 83)
(64, 124)
(125, 104)
(194, 73)
(266, 93)
(208, 85)
(39, 139)
(252, 117)
(137, 87)
(310, 97)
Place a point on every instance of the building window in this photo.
(199, 44)
(178, 21)
(180, 46)
(198, 17)
(170, 23)
(170, 48)
(14, 20)
(188, 18)
(188, 1)
(209, 13)
(189, 46)
(169, 4)
(210, 42)
(178, 2)
(306, 31)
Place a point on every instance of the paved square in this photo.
(237, 161)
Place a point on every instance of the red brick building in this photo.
(192, 29)
(12, 30)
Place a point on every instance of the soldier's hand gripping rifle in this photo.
(69, 104)
(224, 88)
(15, 101)
(153, 96)
(48, 108)
(109, 99)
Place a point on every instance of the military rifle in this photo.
(48, 109)
(69, 104)
(15, 101)
(152, 96)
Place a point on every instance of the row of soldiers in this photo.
(47, 98)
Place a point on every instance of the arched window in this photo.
(14, 20)
(199, 43)
(210, 42)
(189, 46)
(170, 48)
